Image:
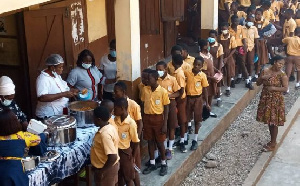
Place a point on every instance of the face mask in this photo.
(113, 53)
(249, 24)
(211, 40)
(86, 66)
(6, 102)
(54, 74)
(225, 32)
(160, 73)
(208, 48)
(113, 116)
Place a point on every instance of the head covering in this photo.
(7, 86)
(54, 59)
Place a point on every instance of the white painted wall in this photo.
(10, 5)
(209, 14)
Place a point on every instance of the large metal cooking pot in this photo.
(62, 130)
(83, 111)
(30, 163)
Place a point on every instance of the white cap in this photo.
(7, 86)
(54, 59)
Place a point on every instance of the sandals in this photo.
(268, 148)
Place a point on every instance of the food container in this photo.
(50, 156)
(62, 130)
(30, 163)
(83, 111)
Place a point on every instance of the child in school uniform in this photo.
(290, 24)
(185, 66)
(186, 56)
(110, 106)
(169, 83)
(134, 111)
(127, 131)
(196, 86)
(144, 79)
(240, 14)
(104, 150)
(156, 110)
(268, 13)
(229, 46)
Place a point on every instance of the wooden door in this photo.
(169, 36)
(110, 19)
(47, 32)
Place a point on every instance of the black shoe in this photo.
(182, 148)
(219, 103)
(190, 130)
(194, 145)
(157, 162)
(238, 80)
(292, 78)
(249, 86)
(177, 131)
(232, 84)
(163, 170)
(149, 169)
(254, 79)
(211, 114)
(227, 93)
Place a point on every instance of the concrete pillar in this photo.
(209, 16)
(127, 25)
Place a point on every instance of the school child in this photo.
(127, 131)
(169, 83)
(240, 14)
(238, 31)
(289, 24)
(177, 61)
(224, 10)
(245, 5)
(252, 37)
(110, 106)
(229, 46)
(156, 110)
(209, 69)
(276, 7)
(144, 79)
(185, 66)
(186, 56)
(293, 53)
(104, 149)
(268, 13)
(196, 86)
(134, 111)
(216, 50)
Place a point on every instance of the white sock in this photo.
(228, 88)
(152, 162)
(256, 76)
(233, 78)
(250, 78)
(155, 154)
(288, 90)
(185, 136)
(166, 143)
(247, 80)
(181, 140)
(189, 123)
(239, 75)
(196, 137)
(218, 99)
(163, 162)
(171, 142)
(298, 84)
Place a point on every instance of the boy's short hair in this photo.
(102, 113)
(146, 70)
(234, 4)
(266, 3)
(224, 24)
(122, 85)
(199, 58)
(154, 73)
(184, 46)
(202, 43)
(233, 18)
(121, 102)
(105, 103)
(260, 10)
(289, 11)
(176, 48)
(213, 32)
(177, 59)
(161, 63)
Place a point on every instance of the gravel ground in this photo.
(238, 149)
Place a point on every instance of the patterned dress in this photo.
(271, 109)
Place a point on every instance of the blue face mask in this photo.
(86, 66)
(211, 40)
(208, 48)
(113, 53)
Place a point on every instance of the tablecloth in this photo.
(71, 160)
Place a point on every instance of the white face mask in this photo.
(249, 24)
(86, 66)
(225, 32)
(6, 102)
(54, 74)
(160, 73)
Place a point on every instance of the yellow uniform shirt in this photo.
(239, 35)
(222, 2)
(190, 60)
(127, 131)
(169, 83)
(240, 14)
(141, 88)
(276, 7)
(134, 110)
(171, 69)
(180, 78)
(262, 24)
(288, 27)
(269, 15)
(297, 22)
(105, 142)
(252, 34)
(293, 45)
(232, 44)
(245, 3)
(195, 83)
(155, 101)
(112, 121)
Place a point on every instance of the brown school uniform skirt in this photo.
(229, 67)
(153, 124)
(126, 171)
(181, 114)
(107, 178)
(194, 106)
(212, 88)
(172, 119)
(295, 60)
(263, 57)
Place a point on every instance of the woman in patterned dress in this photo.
(271, 109)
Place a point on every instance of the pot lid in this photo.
(60, 121)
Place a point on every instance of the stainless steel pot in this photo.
(83, 111)
(62, 130)
(30, 163)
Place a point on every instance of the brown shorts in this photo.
(181, 114)
(250, 57)
(153, 124)
(126, 172)
(295, 60)
(194, 106)
(172, 118)
(109, 177)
